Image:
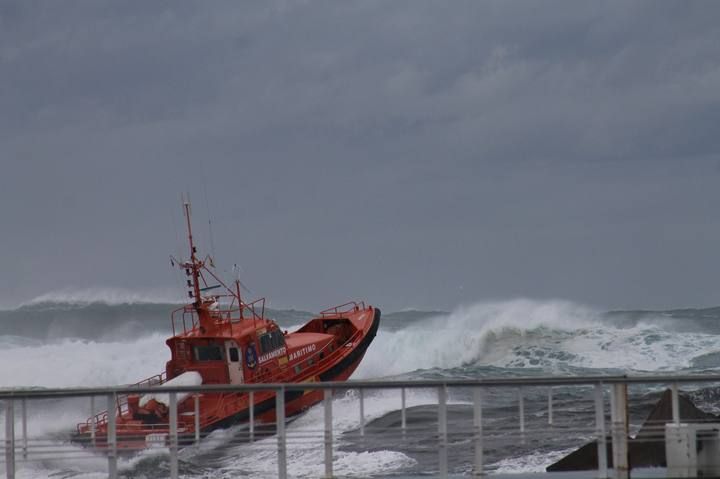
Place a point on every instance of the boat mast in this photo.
(237, 292)
(194, 264)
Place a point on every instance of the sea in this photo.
(113, 339)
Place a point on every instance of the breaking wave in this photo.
(526, 335)
(106, 296)
(32, 363)
(553, 336)
(531, 336)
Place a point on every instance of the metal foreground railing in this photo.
(586, 406)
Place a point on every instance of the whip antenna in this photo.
(207, 207)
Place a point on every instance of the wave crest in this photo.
(553, 336)
(467, 334)
(102, 295)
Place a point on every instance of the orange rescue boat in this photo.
(221, 339)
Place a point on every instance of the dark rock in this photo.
(647, 448)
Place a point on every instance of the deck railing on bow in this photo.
(343, 308)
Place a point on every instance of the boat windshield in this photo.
(272, 341)
(210, 352)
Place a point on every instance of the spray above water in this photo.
(469, 335)
(552, 336)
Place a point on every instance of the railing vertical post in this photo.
(620, 430)
(600, 431)
(403, 416)
(280, 426)
(196, 399)
(328, 439)
(251, 399)
(550, 405)
(675, 403)
(10, 439)
(24, 430)
(442, 432)
(111, 437)
(92, 421)
(173, 436)
(477, 423)
(521, 412)
(361, 396)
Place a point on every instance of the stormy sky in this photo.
(417, 154)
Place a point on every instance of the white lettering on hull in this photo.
(302, 352)
(272, 355)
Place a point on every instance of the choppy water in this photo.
(56, 342)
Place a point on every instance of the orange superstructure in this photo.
(221, 339)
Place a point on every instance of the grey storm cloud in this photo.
(416, 154)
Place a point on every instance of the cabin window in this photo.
(211, 352)
(272, 341)
(234, 355)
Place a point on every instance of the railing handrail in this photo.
(224, 313)
(354, 306)
(178, 430)
(100, 418)
(363, 384)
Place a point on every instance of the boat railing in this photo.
(343, 308)
(227, 308)
(121, 403)
(465, 426)
(185, 318)
(252, 309)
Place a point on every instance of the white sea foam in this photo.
(304, 447)
(535, 462)
(524, 333)
(75, 363)
(465, 335)
(83, 465)
(640, 348)
(78, 363)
